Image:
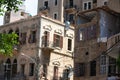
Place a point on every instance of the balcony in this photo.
(113, 45)
(44, 9)
(71, 9)
(47, 45)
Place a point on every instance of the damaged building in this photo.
(97, 43)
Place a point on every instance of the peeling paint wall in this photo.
(109, 24)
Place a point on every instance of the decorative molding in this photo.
(47, 27)
(56, 63)
(69, 35)
(58, 31)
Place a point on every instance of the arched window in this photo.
(17, 32)
(10, 31)
(14, 68)
(8, 69)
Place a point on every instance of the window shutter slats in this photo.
(61, 42)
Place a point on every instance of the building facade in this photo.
(94, 36)
(65, 10)
(46, 46)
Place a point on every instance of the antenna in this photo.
(67, 25)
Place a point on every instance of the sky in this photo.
(31, 7)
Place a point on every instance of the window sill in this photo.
(58, 48)
(69, 51)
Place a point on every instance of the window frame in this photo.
(55, 13)
(93, 66)
(56, 2)
(103, 64)
(60, 42)
(31, 69)
(69, 47)
(87, 5)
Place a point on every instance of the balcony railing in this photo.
(47, 45)
(113, 40)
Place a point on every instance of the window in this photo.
(32, 37)
(93, 68)
(14, 68)
(105, 3)
(23, 69)
(87, 5)
(55, 77)
(66, 73)
(94, 1)
(79, 69)
(58, 41)
(31, 69)
(71, 18)
(69, 44)
(23, 38)
(55, 15)
(55, 2)
(112, 66)
(71, 3)
(46, 39)
(103, 64)
(80, 34)
(46, 4)
(44, 70)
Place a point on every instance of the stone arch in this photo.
(10, 31)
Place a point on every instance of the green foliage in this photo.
(8, 5)
(118, 61)
(7, 42)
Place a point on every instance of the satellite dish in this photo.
(67, 25)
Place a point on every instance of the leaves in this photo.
(8, 5)
(7, 41)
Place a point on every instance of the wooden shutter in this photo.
(61, 42)
(54, 39)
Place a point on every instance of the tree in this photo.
(8, 5)
(7, 42)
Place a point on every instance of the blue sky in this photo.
(31, 7)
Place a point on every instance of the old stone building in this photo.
(64, 10)
(94, 36)
(46, 47)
